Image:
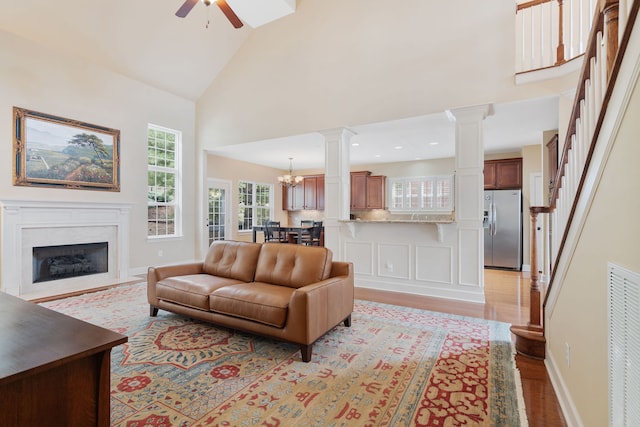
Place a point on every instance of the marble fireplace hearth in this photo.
(26, 225)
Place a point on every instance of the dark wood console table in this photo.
(54, 369)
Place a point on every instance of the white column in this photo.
(336, 186)
(469, 188)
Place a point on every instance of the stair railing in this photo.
(611, 27)
(551, 32)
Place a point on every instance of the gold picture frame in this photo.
(51, 151)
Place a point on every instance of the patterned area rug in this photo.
(394, 366)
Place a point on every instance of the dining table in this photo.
(293, 231)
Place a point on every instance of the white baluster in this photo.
(598, 93)
(590, 101)
(520, 31)
(575, 145)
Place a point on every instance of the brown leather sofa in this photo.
(290, 292)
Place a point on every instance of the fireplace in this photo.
(64, 261)
(53, 248)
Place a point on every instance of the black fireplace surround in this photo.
(65, 261)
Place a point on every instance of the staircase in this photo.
(609, 36)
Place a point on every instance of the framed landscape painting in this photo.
(50, 151)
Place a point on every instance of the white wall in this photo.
(335, 63)
(43, 80)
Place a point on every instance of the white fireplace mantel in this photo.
(23, 223)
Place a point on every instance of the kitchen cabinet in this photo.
(504, 174)
(367, 191)
(359, 189)
(314, 192)
(375, 192)
(307, 195)
(320, 193)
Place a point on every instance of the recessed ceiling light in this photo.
(398, 147)
(355, 144)
(434, 143)
(378, 155)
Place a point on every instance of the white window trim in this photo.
(254, 207)
(391, 181)
(178, 172)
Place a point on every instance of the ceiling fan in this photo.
(222, 4)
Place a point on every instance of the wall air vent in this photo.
(624, 346)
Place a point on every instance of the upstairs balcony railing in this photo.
(551, 32)
(611, 27)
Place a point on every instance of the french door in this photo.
(218, 214)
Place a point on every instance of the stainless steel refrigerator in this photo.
(503, 229)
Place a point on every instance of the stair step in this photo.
(530, 341)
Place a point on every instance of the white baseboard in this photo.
(138, 271)
(571, 415)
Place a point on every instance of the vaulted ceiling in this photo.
(144, 40)
(141, 39)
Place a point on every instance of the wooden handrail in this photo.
(530, 339)
(560, 48)
(585, 75)
(605, 102)
(531, 3)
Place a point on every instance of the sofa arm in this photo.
(156, 274)
(341, 268)
(317, 308)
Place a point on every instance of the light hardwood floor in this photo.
(506, 300)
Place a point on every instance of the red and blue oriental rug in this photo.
(394, 366)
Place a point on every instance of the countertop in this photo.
(426, 219)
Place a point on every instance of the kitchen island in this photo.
(437, 220)
(417, 255)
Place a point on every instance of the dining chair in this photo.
(273, 232)
(315, 234)
(305, 234)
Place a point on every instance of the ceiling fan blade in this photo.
(186, 8)
(229, 13)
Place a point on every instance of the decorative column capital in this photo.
(337, 133)
(472, 113)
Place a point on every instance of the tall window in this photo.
(254, 204)
(421, 194)
(163, 181)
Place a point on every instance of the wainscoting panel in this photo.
(470, 269)
(362, 257)
(332, 209)
(469, 204)
(434, 264)
(394, 260)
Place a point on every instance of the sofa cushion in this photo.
(192, 290)
(259, 302)
(234, 260)
(294, 266)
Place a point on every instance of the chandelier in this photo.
(289, 180)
